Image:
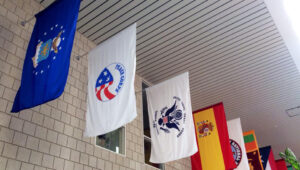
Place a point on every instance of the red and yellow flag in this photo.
(214, 151)
(252, 151)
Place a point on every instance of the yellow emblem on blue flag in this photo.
(43, 49)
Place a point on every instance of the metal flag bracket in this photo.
(23, 23)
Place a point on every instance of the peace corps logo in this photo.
(237, 152)
(205, 128)
(110, 82)
(171, 119)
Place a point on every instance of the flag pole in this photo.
(23, 23)
(140, 91)
(79, 56)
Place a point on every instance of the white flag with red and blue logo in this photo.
(111, 72)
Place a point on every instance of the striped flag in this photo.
(267, 158)
(252, 151)
(213, 140)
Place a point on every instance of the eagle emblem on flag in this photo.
(171, 118)
(47, 60)
(43, 49)
(110, 82)
(48, 48)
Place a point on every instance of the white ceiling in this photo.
(232, 50)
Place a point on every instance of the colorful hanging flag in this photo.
(281, 165)
(252, 151)
(267, 158)
(237, 144)
(47, 60)
(171, 120)
(111, 72)
(213, 140)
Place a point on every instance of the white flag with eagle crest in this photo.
(171, 120)
(111, 72)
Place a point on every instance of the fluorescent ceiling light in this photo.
(293, 111)
(292, 9)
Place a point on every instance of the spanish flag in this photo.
(214, 150)
(252, 151)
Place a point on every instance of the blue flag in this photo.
(265, 152)
(47, 60)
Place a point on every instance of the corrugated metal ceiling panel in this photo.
(232, 50)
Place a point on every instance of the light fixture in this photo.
(292, 10)
(293, 111)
